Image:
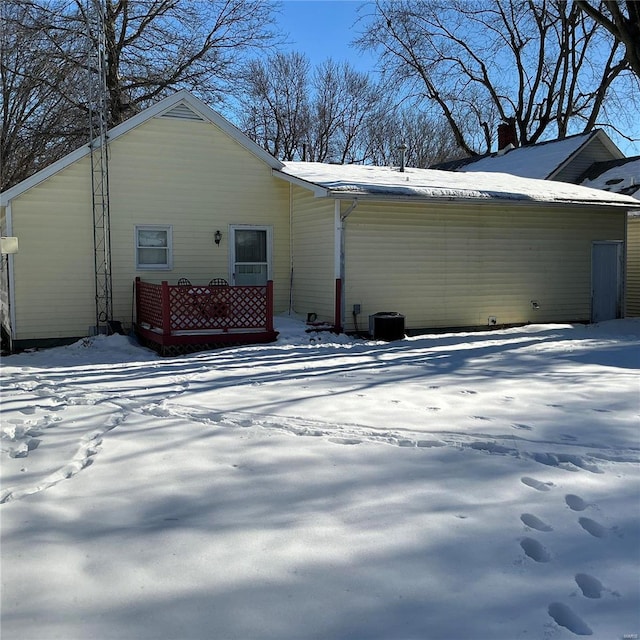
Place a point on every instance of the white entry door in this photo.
(606, 281)
(250, 254)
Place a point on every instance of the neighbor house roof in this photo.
(542, 160)
(181, 104)
(617, 176)
(349, 181)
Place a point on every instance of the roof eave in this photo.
(599, 134)
(490, 200)
(318, 191)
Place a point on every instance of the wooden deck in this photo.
(177, 319)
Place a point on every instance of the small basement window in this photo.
(154, 247)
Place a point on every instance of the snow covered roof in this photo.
(348, 181)
(542, 160)
(617, 176)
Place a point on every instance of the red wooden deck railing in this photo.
(174, 315)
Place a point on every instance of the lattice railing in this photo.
(171, 308)
(148, 303)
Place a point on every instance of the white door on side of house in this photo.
(250, 254)
(606, 280)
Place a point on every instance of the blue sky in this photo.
(326, 28)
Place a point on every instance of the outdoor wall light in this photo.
(217, 237)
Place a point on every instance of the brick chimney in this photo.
(507, 134)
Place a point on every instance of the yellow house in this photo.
(589, 159)
(178, 173)
(447, 249)
(192, 197)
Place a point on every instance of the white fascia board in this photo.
(151, 112)
(487, 202)
(318, 191)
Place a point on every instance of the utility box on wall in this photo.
(386, 325)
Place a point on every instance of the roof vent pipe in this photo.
(403, 150)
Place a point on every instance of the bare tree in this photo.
(345, 102)
(297, 115)
(624, 28)
(543, 63)
(153, 47)
(275, 105)
(427, 139)
(35, 89)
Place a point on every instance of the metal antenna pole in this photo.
(98, 123)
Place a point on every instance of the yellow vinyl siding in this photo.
(197, 179)
(454, 265)
(313, 257)
(54, 283)
(633, 267)
(184, 173)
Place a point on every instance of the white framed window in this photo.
(154, 246)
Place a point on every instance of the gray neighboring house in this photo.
(588, 159)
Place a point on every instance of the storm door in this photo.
(250, 255)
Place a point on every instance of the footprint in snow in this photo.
(575, 503)
(534, 550)
(529, 520)
(29, 410)
(591, 587)
(345, 440)
(518, 425)
(536, 484)
(566, 618)
(468, 392)
(430, 443)
(593, 527)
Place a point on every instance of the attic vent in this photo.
(182, 112)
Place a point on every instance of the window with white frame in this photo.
(153, 247)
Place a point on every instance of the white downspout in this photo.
(340, 250)
(290, 248)
(10, 277)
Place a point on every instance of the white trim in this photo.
(156, 110)
(168, 266)
(318, 191)
(232, 247)
(11, 277)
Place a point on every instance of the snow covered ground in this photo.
(454, 486)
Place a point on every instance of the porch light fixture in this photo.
(217, 237)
